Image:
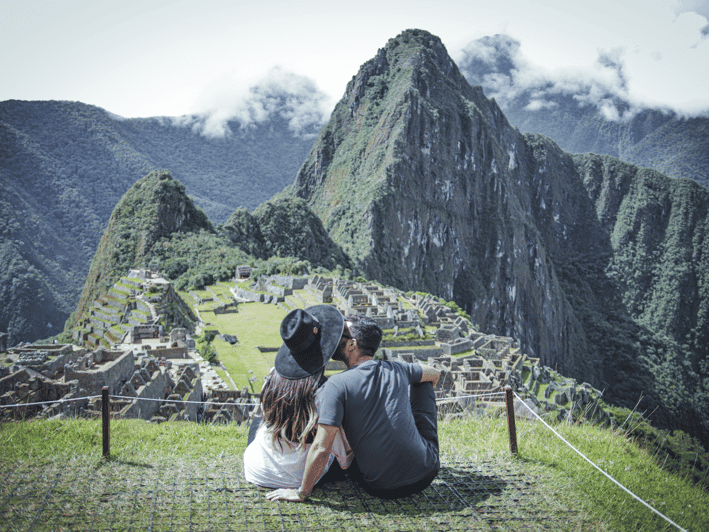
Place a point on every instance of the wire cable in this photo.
(599, 469)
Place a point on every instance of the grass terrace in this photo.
(185, 476)
(221, 290)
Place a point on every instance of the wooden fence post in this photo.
(106, 419)
(510, 407)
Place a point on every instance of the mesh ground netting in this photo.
(212, 496)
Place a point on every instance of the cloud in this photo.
(658, 64)
(497, 64)
(279, 94)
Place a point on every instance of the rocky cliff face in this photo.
(426, 185)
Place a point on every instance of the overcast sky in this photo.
(169, 58)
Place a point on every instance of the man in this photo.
(388, 411)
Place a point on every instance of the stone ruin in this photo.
(242, 272)
(229, 406)
(69, 382)
(491, 363)
(132, 311)
(416, 328)
(125, 349)
(270, 290)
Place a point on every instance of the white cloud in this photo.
(154, 58)
(279, 93)
(647, 53)
(617, 74)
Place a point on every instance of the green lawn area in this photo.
(405, 303)
(221, 289)
(310, 299)
(222, 374)
(204, 294)
(254, 324)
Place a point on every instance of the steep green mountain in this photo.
(156, 224)
(65, 165)
(584, 118)
(285, 227)
(155, 207)
(425, 184)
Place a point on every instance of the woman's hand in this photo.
(284, 494)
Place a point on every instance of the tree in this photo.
(205, 348)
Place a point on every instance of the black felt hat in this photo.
(304, 353)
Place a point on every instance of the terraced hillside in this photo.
(136, 299)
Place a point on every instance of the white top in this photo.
(272, 467)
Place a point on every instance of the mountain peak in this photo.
(413, 54)
(154, 207)
(400, 109)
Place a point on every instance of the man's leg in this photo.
(423, 406)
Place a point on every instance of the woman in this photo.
(278, 448)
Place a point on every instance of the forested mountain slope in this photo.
(65, 165)
(427, 186)
(157, 224)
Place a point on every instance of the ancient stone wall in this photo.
(294, 283)
(169, 352)
(112, 374)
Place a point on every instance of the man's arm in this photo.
(314, 466)
(430, 374)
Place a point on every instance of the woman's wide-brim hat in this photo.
(304, 353)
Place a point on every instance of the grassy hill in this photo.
(186, 476)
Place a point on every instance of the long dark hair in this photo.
(289, 408)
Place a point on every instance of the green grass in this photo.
(42, 441)
(309, 299)
(208, 307)
(221, 289)
(204, 294)
(608, 506)
(254, 325)
(223, 375)
(571, 493)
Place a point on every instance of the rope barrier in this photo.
(455, 398)
(181, 402)
(250, 403)
(598, 468)
(17, 405)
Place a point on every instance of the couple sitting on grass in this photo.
(377, 419)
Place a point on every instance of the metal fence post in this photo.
(510, 407)
(106, 419)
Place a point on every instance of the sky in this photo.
(171, 58)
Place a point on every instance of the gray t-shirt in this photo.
(371, 402)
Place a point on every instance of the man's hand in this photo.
(284, 494)
(430, 374)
